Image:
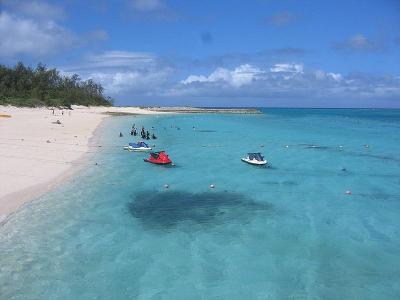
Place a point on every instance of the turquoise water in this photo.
(284, 232)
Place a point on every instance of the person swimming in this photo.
(147, 135)
(153, 137)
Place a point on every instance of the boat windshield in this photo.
(256, 156)
(154, 155)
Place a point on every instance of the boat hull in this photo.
(141, 149)
(254, 162)
(158, 162)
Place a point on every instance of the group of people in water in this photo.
(144, 133)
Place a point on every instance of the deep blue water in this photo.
(284, 232)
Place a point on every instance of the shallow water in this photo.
(287, 231)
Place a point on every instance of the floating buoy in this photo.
(348, 192)
(286, 146)
(166, 186)
(212, 186)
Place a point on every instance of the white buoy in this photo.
(286, 146)
(212, 186)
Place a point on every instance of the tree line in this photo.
(25, 86)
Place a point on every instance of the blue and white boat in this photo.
(139, 146)
(255, 159)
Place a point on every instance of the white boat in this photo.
(140, 146)
(254, 159)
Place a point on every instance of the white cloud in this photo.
(284, 80)
(335, 76)
(146, 83)
(242, 75)
(35, 9)
(21, 36)
(287, 68)
(151, 10)
(359, 42)
(116, 61)
(121, 72)
(321, 75)
(40, 9)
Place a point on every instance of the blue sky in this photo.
(287, 53)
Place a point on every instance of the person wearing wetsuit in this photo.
(120, 134)
(153, 137)
(147, 135)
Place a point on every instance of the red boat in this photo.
(159, 158)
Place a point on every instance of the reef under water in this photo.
(170, 209)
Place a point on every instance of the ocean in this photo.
(288, 231)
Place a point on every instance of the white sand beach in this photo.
(36, 153)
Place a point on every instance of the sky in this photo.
(263, 53)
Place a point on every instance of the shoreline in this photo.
(24, 148)
(38, 154)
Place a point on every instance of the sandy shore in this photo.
(36, 153)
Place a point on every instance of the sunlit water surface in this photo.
(287, 231)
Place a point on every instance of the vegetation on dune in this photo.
(25, 86)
